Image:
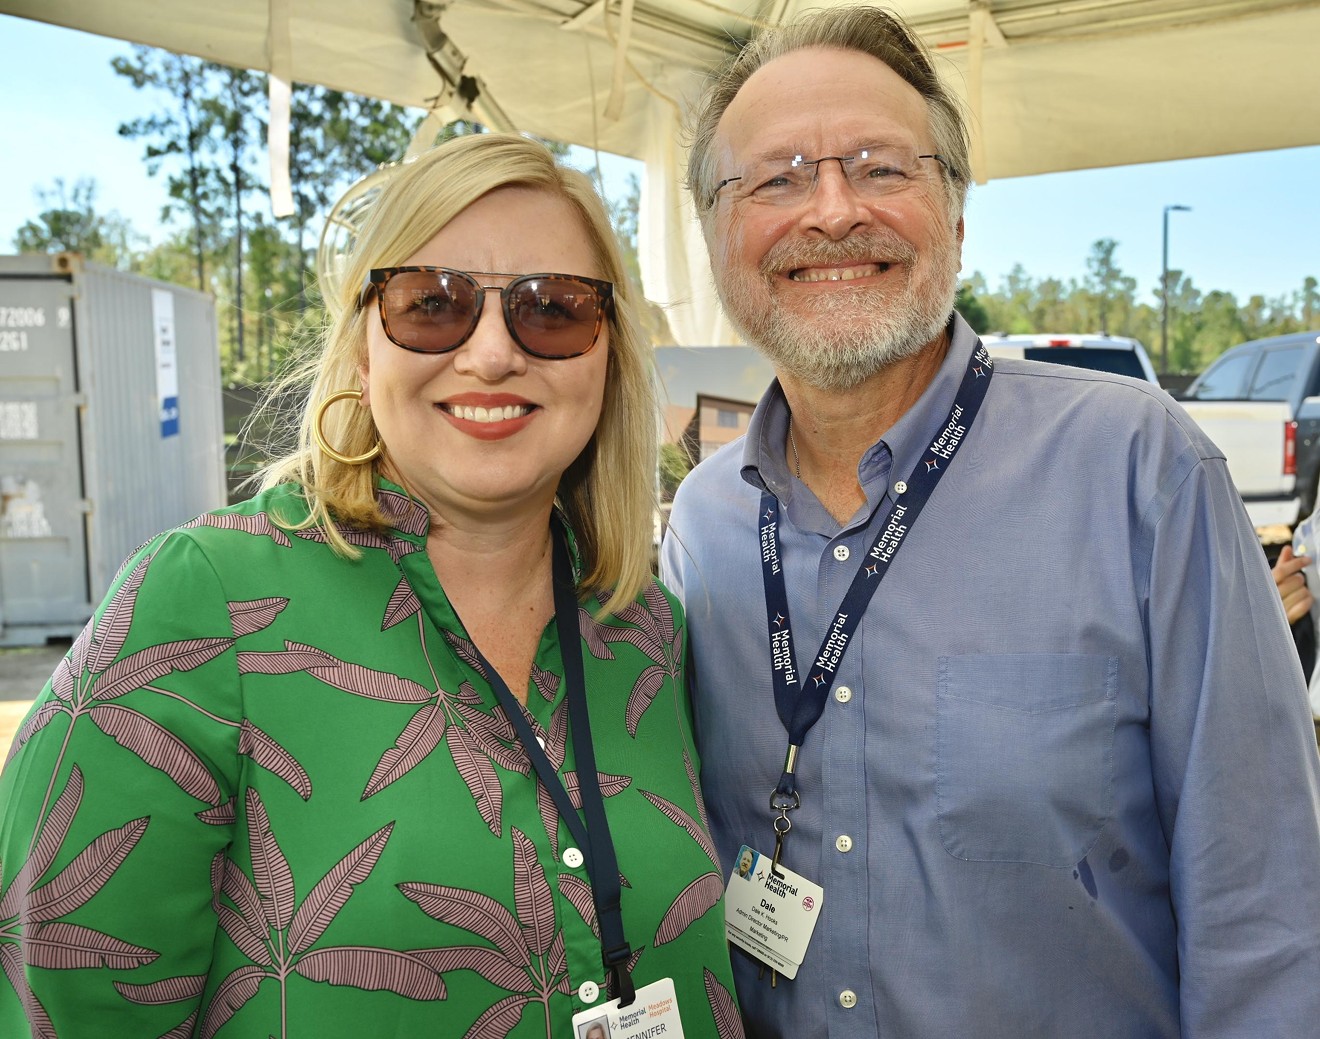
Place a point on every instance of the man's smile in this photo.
(850, 273)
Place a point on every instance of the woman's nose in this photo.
(490, 353)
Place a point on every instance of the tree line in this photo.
(1201, 324)
(207, 137)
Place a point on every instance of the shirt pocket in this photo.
(1024, 755)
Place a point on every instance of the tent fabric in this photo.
(1051, 84)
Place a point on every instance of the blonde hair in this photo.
(608, 492)
(870, 30)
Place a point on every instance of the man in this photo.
(1061, 782)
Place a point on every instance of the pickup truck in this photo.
(1260, 403)
(1100, 351)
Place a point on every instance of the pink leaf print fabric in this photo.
(155, 662)
(402, 605)
(86, 874)
(257, 615)
(262, 749)
(472, 911)
(728, 1024)
(328, 897)
(270, 869)
(258, 526)
(534, 903)
(108, 636)
(420, 736)
(229, 998)
(269, 792)
(499, 1020)
(158, 747)
(171, 990)
(491, 964)
(61, 946)
(372, 970)
(693, 902)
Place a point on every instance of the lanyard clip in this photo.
(783, 799)
(616, 964)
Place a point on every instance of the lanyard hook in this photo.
(782, 802)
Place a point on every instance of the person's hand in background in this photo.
(1288, 578)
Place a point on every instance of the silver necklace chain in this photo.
(792, 442)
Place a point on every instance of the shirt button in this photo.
(841, 552)
(588, 991)
(847, 999)
(900, 487)
(843, 694)
(572, 858)
(843, 842)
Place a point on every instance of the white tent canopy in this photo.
(1051, 84)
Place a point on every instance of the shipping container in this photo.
(110, 431)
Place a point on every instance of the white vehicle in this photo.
(1260, 403)
(1118, 355)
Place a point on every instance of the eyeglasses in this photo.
(873, 172)
(432, 310)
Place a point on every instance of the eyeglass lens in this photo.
(554, 316)
(874, 170)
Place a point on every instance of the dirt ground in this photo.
(23, 671)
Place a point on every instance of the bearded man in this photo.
(988, 663)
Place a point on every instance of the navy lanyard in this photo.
(800, 702)
(594, 837)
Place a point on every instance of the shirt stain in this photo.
(1118, 860)
(1084, 874)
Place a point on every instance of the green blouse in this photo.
(269, 793)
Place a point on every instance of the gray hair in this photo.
(872, 31)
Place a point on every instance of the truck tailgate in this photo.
(1252, 435)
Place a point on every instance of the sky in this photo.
(1253, 228)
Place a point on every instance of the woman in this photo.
(315, 767)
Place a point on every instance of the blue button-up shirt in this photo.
(1069, 743)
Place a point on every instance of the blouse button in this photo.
(572, 858)
(588, 991)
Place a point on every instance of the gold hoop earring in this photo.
(319, 433)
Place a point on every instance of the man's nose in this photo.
(834, 207)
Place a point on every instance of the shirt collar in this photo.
(406, 514)
(412, 522)
(764, 465)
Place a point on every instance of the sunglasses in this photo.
(432, 310)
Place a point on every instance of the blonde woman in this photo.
(401, 746)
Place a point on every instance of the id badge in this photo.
(771, 916)
(652, 1015)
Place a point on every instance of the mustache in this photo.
(874, 245)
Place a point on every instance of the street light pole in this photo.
(1164, 290)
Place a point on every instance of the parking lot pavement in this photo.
(23, 671)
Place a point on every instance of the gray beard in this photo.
(847, 337)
